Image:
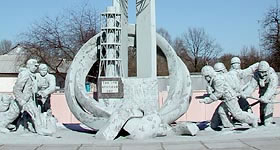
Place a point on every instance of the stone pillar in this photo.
(146, 38)
(122, 7)
(124, 38)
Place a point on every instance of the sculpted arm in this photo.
(19, 86)
(209, 89)
(271, 89)
(250, 88)
(217, 93)
(218, 89)
(249, 71)
(52, 85)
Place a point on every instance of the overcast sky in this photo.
(233, 23)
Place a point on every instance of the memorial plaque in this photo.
(110, 88)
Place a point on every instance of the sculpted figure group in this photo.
(30, 109)
(234, 87)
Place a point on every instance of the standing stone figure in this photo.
(266, 80)
(223, 91)
(24, 91)
(237, 76)
(9, 111)
(26, 86)
(237, 79)
(46, 85)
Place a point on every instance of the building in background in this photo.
(11, 63)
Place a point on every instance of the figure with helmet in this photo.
(238, 79)
(222, 115)
(224, 92)
(266, 80)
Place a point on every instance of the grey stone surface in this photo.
(244, 148)
(220, 144)
(154, 146)
(259, 142)
(146, 41)
(144, 95)
(186, 128)
(178, 100)
(59, 147)
(185, 147)
(263, 139)
(8, 113)
(20, 147)
(79, 102)
(99, 148)
(116, 122)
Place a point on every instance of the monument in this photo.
(231, 89)
(29, 110)
(129, 103)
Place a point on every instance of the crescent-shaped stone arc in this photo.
(94, 115)
(86, 109)
(179, 94)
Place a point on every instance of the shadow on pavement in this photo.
(77, 127)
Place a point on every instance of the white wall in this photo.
(7, 83)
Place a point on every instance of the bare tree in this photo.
(164, 33)
(54, 40)
(202, 48)
(132, 59)
(179, 46)
(225, 59)
(5, 46)
(271, 35)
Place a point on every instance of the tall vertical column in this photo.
(124, 38)
(122, 8)
(146, 38)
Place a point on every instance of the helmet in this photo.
(235, 60)
(32, 62)
(219, 67)
(263, 66)
(207, 71)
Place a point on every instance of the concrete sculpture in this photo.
(137, 112)
(9, 111)
(266, 80)
(46, 86)
(235, 78)
(25, 90)
(224, 92)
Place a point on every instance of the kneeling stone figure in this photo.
(9, 111)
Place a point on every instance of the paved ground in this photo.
(263, 138)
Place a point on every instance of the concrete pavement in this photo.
(263, 138)
(268, 143)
